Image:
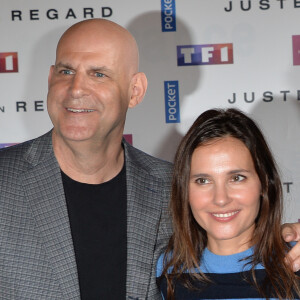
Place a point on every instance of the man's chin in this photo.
(74, 135)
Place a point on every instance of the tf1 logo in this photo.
(210, 54)
(8, 62)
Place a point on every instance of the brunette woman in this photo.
(226, 207)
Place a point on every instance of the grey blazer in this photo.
(37, 259)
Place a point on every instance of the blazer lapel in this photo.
(144, 201)
(45, 194)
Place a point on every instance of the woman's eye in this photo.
(238, 178)
(202, 180)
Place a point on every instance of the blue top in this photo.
(219, 264)
(227, 272)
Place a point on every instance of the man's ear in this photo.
(138, 89)
(50, 74)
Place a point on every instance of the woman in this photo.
(226, 207)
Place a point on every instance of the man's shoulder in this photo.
(146, 161)
(26, 152)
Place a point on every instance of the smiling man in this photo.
(82, 212)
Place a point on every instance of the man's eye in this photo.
(66, 72)
(98, 74)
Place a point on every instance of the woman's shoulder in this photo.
(160, 264)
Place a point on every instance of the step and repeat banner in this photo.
(197, 54)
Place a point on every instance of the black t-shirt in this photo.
(97, 214)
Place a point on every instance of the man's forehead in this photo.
(109, 48)
(89, 65)
(85, 56)
(87, 45)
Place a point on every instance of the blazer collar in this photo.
(144, 205)
(44, 191)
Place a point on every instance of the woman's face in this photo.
(224, 194)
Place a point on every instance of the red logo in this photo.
(7, 145)
(296, 50)
(9, 62)
(128, 138)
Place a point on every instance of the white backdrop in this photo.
(262, 78)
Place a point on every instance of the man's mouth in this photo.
(76, 110)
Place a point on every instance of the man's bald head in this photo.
(89, 33)
(94, 81)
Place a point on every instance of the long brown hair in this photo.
(188, 241)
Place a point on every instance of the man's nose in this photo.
(78, 87)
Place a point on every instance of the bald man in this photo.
(82, 212)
